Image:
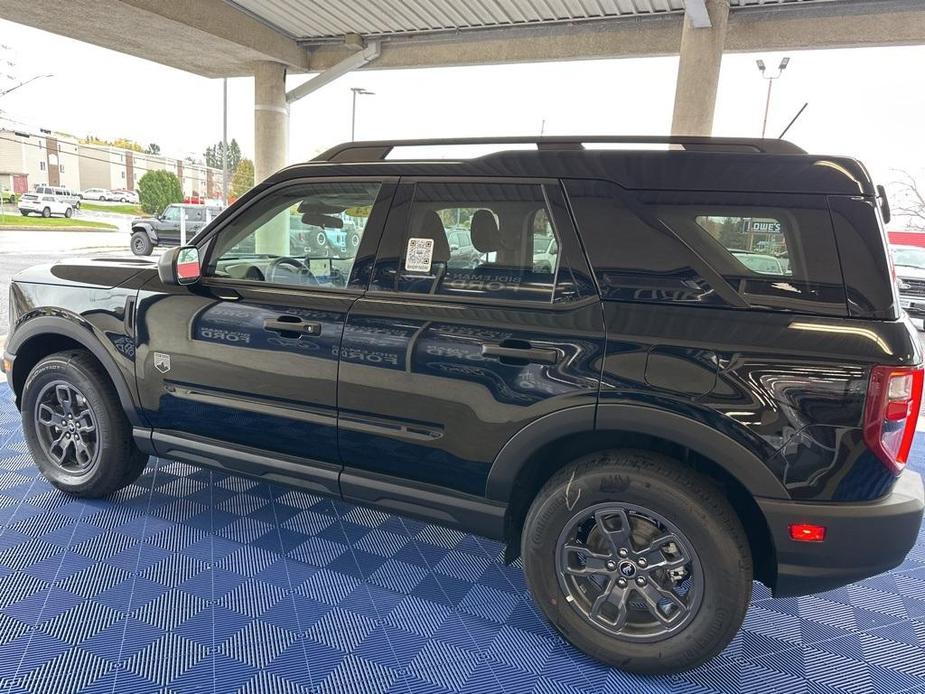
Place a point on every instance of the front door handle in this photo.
(291, 326)
(518, 353)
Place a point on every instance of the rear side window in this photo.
(479, 240)
(775, 251)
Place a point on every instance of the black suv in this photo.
(647, 415)
(164, 230)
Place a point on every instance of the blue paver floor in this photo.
(193, 580)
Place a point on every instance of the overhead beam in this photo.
(348, 64)
(207, 37)
(697, 15)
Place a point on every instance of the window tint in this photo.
(478, 240)
(775, 251)
(305, 235)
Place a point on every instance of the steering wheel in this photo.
(299, 268)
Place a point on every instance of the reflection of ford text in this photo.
(481, 282)
(365, 356)
(221, 335)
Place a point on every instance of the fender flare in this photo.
(146, 228)
(741, 463)
(81, 332)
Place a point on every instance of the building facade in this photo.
(29, 158)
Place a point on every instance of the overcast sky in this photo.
(868, 103)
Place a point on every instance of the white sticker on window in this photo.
(419, 256)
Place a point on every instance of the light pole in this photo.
(225, 142)
(770, 78)
(23, 84)
(353, 115)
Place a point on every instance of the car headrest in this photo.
(483, 229)
(432, 228)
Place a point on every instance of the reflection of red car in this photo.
(907, 238)
(194, 200)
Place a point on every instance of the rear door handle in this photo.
(514, 352)
(291, 326)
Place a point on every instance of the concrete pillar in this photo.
(698, 72)
(271, 140)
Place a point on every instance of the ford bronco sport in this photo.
(650, 418)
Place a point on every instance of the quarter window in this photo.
(304, 235)
(488, 240)
(757, 243)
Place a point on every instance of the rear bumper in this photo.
(862, 539)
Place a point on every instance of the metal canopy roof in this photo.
(314, 21)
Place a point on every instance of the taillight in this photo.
(892, 410)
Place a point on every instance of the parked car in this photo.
(125, 196)
(97, 194)
(909, 266)
(164, 230)
(45, 205)
(8, 196)
(462, 253)
(648, 422)
(761, 263)
(61, 192)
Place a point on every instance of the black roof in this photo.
(704, 164)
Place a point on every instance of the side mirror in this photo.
(179, 266)
(453, 248)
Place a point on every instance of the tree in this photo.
(121, 142)
(153, 148)
(157, 189)
(243, 179)
(213, 155)
(907, 199)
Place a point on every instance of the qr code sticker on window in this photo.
(419, 255)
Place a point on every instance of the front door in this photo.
(448, 356)
(241, 368)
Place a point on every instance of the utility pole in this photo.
(225, 141)
(770, 78)
(353, 115)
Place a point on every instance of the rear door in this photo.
(242, 366)
(441, 365)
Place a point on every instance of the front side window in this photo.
(306, 235)
(172, 214)
(478, 240)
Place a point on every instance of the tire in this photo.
(661, 498)
(68, 213)
(46, 212)
(108, 459)
(24, 213)
(141, 243)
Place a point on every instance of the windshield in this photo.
(909, 257)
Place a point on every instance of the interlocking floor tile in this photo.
(192, 580)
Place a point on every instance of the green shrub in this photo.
(157, 189)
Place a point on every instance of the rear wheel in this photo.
(75, 427)
(638, 561)
(141, 243)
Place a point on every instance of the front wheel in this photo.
(141, 243)
(68, 213)
(75, 426)
(46, 213)
(638, 561)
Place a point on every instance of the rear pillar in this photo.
(702, 41)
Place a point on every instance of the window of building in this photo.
(41, 166)
(479, 240)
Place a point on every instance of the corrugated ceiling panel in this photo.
(316, 19)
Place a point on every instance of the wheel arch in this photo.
(146, 229)
(37, 337)
(533, 455)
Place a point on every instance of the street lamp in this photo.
(770, 78)
(22, 84)
(353, 116)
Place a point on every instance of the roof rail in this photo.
(378, 150)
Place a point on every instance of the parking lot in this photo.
(20, 249)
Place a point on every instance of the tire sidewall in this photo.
(726, 574)
(63, 368)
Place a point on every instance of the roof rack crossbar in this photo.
(378, 150)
